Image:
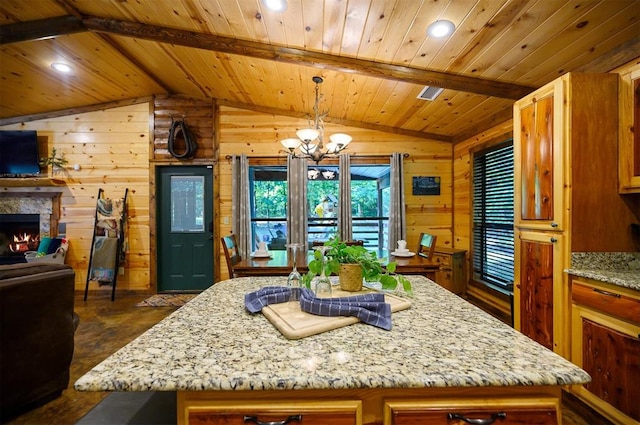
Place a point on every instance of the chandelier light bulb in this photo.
(291, 144)
(340, 139)
(308, 134)
(333, 147)
(441, 29)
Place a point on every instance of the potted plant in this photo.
(355, 261)
(57, 162)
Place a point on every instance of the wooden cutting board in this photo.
(294, 323)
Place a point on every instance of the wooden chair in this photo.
(427, 245)
(230, 246)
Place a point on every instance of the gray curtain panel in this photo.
(345, 229)
(240, 207)
(397, 219)
(297, 210)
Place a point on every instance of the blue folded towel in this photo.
(370, 308)
(44, 245)
(54, 245)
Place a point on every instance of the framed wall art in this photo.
(426, 185)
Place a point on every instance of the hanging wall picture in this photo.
(426, 185)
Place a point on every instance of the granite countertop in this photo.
(618, 268)
(213, 343)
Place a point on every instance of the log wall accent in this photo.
(197, 114)
(112, 148)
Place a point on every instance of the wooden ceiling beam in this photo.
(74, 111)
(39, 29)
(303, 57)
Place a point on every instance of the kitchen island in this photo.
(442, 355)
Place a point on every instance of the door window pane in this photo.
(268, 200)
(323, 195)
(370, 206)
(187, 203)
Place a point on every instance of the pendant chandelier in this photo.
(309, 143)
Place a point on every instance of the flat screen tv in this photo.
(19, 154)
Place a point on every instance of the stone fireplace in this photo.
(26, 215)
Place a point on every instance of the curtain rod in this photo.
(230, 157)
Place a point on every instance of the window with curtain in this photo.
(493, 236)
(369, 204)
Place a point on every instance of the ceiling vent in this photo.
(430, 93)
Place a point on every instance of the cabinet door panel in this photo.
(536, 291)
(536, 162)
(613, 361)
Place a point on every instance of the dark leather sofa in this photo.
(36, 334)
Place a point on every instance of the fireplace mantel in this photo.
(43, 182)
(34, 196)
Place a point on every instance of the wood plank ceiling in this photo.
(374, 56)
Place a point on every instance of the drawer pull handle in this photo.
(553, 240)
(254, 419)
(488, 421)
(607, 293)
(554, 225)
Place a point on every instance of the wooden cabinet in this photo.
(520, 404)
(538, 156)
(539, 294)
(338, 412)
(606, 344)
(629, 140)
(485, 411)
(565, 150)
(451, 274)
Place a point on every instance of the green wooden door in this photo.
(185, 225)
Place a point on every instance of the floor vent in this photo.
(430, 93)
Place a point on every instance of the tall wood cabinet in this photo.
(566, 196)
(629, 167)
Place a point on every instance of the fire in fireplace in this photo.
(19, 233)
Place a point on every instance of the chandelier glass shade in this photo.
(309, 143)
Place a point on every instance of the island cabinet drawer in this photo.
(541, 411)
(606, 300)
(338, 412)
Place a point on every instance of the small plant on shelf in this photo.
(372, 269)
(56, 161)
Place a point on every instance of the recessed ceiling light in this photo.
(275, 5)
(441, 29)
(61, 67)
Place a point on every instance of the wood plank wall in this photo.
(462, 186)
(258, 134)
(115, 150)
(112, 149)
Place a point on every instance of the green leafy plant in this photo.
(55, 160)
(372, 269)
